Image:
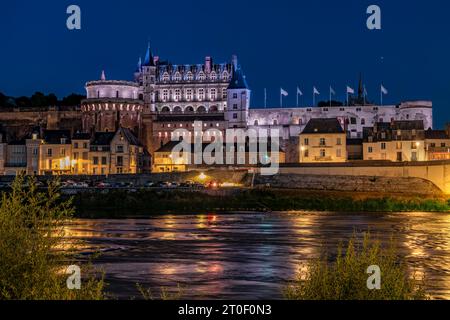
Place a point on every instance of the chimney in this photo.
(235, 61)
(208, 64)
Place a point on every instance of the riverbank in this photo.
(148, 202)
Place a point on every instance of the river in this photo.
(250, 256)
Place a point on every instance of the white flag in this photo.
(332, 91)
(315, 91)
(383, 90)
(299, 92)
(284, 93)
(350, 90)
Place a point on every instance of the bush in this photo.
(32, 262)
(346, 277)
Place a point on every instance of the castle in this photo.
(164, 97)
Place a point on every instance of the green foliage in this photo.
(117, 204)
(346, 277)
(165, 294)
(32, 262)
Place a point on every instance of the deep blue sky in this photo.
(280, 43)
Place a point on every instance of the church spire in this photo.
(103, 76)
(360, 87)
(139, 65)
(149, 62)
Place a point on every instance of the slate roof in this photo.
(81, 136)
(321, 126)
(55, 136)
(131, 138)
(103, 138)
(168, 147)
(238, 81)
(436, 134)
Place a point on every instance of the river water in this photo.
(250, 256)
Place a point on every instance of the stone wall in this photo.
(350, 184)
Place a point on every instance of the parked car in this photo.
(213, 185)
(149, 184)
(103, 185)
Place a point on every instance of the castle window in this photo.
(256, 123)
(224, 93)
(235, 115)
(235, 95)
(370, 150)
(165, 95)
(177, 94)
(190, 76)
(201, 76)
(189, 94)
(201, 94)
(213, 94)
(166, 77)
(177, 76)
(363, 121)
(213, 76)
(117, 94)
(323, 153)
(383, 146)
(225, 75)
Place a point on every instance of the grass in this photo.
(32, 264)
(345, 278)
(117, 204)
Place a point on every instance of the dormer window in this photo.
(166, 77)
(63, 140)
(177, 76)
(190, 76)
(201, 76)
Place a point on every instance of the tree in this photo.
(72, 100)
(32, 264)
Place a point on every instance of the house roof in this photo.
(436, 134)
(103, 138)
(56, 136)
(321, 126)
(81, 136)
(408, 125)
(238, 81)
(168, 147)
(130, 137)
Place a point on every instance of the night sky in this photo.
(282, 43)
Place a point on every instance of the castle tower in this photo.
(238, 99)
(138, 72)
(149, 82)
(149, 74)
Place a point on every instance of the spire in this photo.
(148, 62)
(103, 76)
(360, 87)
(238, 81)
(139, 65)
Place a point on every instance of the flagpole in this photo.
(297, 97)
(265, 98)
(330, 96)
(381, 95)
(314, 99)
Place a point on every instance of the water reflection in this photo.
(251, 256)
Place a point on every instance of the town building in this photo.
(323, 141)
(396, 141)
(57, 152)
(165, 97)
(229, 156)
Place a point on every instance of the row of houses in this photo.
(325, 141)
(58, 152)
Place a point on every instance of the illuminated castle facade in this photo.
(164, 97)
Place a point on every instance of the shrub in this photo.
(346, 277)
(32, 262)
